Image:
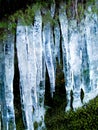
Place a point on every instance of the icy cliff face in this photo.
(38, 48)
(32, 69)
(79, 48)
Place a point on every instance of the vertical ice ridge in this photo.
(57, 42)
(40, 64)
(8, 104)
(48, 56)
(37, 39)
(23, 52)
(85, 66)
(52, 11)
(75, 61)
(32, 66)
(52, 44)
(65, 50)
(65, 46)
(91, 32)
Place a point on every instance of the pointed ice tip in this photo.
(52, 93)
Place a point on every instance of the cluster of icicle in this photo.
(38, 47)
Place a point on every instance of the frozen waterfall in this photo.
(79, 48)
(39, 48)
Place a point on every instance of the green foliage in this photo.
(6, 27)
(47, 18)
(26, 16)
(60, 99)
(84, 118)
(3, 26)
(35, 125)
(19, 121)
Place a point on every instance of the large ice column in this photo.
(65, 50)
(26, 63)
(91, 26)
(48, 56)
(85, 78)
(32, 66)
(52, 41)
(37, 41)
(75, 62)
(48, 44)
(8, 116)
(40, 64)
(65, 47)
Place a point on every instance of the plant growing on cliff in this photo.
(84, 118)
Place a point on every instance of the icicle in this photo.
(37, 41)
(48, 56)
(82, 43)
(53, 49)
(26, 80)
(32, 66)
(65, 50)
(52, 36)
(8, 116)
(91, 27)
(40, 64)
(91, 33)
(75, 62)
(65, 47)
(57, 42)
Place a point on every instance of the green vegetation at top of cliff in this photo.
(74, 10)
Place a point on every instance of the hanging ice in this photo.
(79, 50)
(37, 41)
(40, 64)
(7, 66)
(48, 56)
(27, 80)
(75, 61)
(91, 26)
(57, 42)
(38, 47)
(65, 47)
(65, 50)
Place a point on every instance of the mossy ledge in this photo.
(84, 118)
